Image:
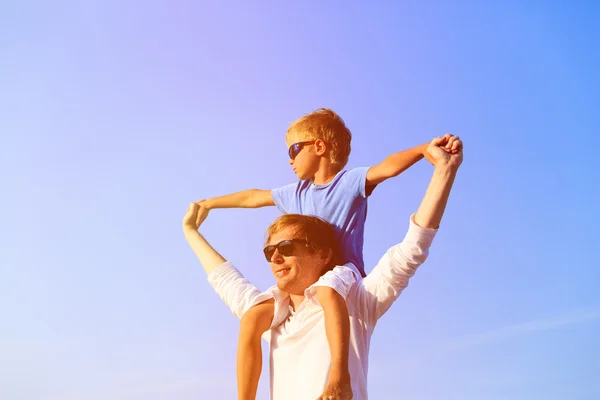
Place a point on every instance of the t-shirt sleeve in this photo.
(356, 181)
(284, 197)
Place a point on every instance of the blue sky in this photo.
(113, 117)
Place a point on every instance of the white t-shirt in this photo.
(299, 351)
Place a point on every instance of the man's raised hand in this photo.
(194, 216)
(445, 150)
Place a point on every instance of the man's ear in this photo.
(327, 256)
(320, 147)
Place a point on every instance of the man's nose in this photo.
(291, 162)
(277, 258)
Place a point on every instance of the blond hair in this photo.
(326, 125)
(319, 234)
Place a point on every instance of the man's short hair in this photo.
(319, 234)
(326, 125)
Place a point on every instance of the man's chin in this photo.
(282, 285)
(285, 285)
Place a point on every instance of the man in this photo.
(300, 251)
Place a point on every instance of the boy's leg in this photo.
(254, 323)
(337, 329)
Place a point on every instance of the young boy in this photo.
(318, 146)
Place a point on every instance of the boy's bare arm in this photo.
(395, 164)
(252, 198)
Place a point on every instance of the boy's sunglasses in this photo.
(285, 248)
(297, 147)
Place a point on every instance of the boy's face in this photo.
(306, 161)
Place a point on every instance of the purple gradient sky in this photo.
(115, 116)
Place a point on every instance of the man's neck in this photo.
(296, 300)
(327, 171)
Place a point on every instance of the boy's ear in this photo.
(320, 147)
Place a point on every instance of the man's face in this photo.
(296, 272)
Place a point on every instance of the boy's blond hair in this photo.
(326, 125)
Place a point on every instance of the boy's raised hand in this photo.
(446, 150)
(194, 216)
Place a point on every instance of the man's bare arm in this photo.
(207, 255)
(429, 214)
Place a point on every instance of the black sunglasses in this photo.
(297, 147)
(285, 248)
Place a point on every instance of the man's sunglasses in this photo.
(285, 248)
(297, 147)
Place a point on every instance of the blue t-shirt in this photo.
(342, 202)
